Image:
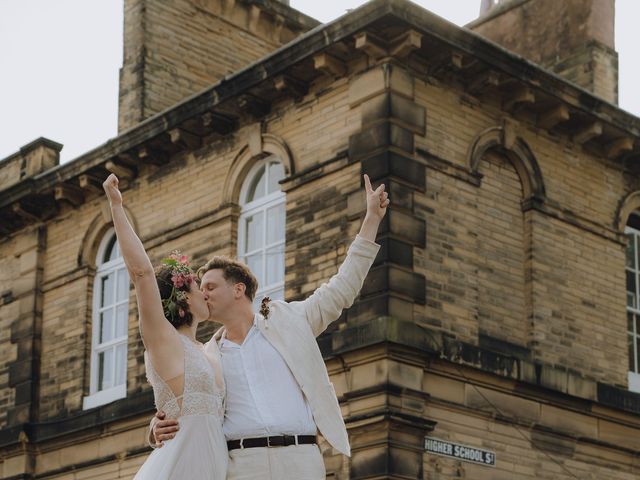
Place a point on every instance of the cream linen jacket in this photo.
(292, 329)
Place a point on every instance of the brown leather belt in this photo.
(278, 441)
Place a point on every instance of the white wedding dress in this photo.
(199, 449)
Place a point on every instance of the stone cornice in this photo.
(218, 110)
(506, 361)
(536, 380)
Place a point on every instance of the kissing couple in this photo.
(249, 403)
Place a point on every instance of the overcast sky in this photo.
(59, 62)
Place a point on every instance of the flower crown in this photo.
(181, 275)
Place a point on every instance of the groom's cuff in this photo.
(364, 247)
(150, 436)
(151, 444)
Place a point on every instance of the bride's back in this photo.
(202, 391)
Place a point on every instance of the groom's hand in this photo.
(163, 429)
(377, 200)
(377, 203)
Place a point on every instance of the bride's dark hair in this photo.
(166, 288)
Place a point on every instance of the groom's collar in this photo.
(221, 332)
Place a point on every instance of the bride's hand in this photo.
(110, 186)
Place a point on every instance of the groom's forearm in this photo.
(151, 438)
(326, 304)
(369, 228)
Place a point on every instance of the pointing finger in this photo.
(367, 184)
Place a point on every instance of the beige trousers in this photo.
(296, 462)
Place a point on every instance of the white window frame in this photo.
(634, 382)
(634, 377)
(108, 395)
(262, 204)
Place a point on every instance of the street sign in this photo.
(465, 453)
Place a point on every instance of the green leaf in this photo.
(170, 261)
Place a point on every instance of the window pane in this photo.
(630, 317)
(253, 232)
(123, 285)
(631, 357)
(275, 224)
(255, 265)
(111, 252)
(631, 289)
(121, 364)
(257, 187)
(276, 173)
(631, 251)
(275, 265)
(637, 353)
(105, 369)
(106, 326)
(106, 289)
(122, 313)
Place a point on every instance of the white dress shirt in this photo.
(263, 397)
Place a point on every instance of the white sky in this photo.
(59, 63)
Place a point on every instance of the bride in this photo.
(186, 376)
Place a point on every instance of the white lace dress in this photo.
(199, 449)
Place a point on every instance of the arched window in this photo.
(110, 324)
(632, 231)
(262, 226)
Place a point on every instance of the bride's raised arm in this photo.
(154, 328)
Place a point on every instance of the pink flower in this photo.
(183, 259)
(178, 280)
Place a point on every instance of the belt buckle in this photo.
(268, 442)
(242, 444)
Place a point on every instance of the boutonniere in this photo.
(264, 307)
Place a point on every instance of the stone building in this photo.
(502, 313)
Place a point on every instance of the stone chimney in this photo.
(175, 48)
(34, 158)
(572, 38)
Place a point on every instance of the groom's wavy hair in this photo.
(233, 271)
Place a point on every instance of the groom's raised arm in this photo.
(326, 304)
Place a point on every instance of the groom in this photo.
(278, 394)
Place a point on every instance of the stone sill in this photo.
(380, 330)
